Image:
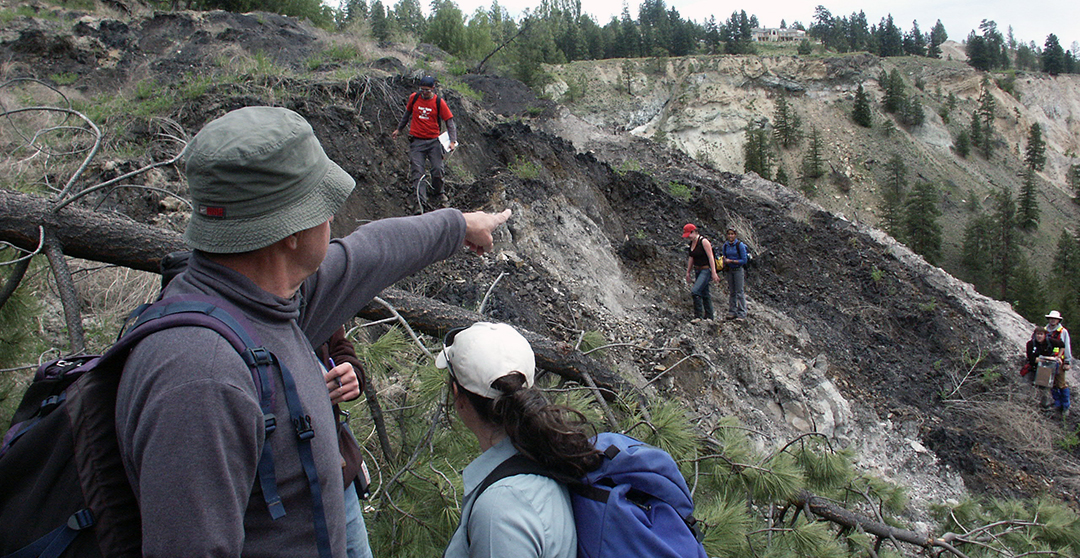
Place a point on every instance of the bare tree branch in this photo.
(68, 295)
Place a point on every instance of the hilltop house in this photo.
(778, 35)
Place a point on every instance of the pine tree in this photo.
(786, 124)
(861, 114)
(892, 197)
(757, 152)
(781, 175)
(380, 25)
(445, 27)
(963, 144)
(410, 18)
(1027, 295)
(1035, 152)
(975, 250)
(937, 37)
(894, 98)
(1002, 254)
(923, 232)
(985, 116)
(355, 11)
(1027, 214)
(1074, 181)
(813, 166)
(1053, 56)
(627, 74)
(911, 113)
(1065, 285)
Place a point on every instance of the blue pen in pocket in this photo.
(332, 365)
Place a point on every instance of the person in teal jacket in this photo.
(734, 253)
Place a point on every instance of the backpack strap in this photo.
(215, 314)
(55, 542)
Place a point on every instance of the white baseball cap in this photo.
(484, 352)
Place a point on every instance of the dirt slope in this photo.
(851, 334)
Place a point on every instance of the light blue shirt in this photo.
(524, 516)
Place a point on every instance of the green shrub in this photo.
(63, 78)
(629, 165)
(524, 169)
(466, 91)
(680, 191)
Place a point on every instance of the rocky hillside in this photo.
(702, 106)
(850, 335)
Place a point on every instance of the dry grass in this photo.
(108, 294)
(39, 143)
(1016, 421)
(743, 228)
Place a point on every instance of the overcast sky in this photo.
(1031, 20)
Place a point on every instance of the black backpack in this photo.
(63, 488)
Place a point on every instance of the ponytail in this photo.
(556, 436)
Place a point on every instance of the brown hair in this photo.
(556, 436)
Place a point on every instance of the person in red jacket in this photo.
(424, 114)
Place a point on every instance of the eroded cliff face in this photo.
(703, 105)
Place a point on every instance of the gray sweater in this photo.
(188, 417)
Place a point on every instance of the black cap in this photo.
(427, 81)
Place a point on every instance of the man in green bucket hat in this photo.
(188, 414)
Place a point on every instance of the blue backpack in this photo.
(636, 504)
(63, 488)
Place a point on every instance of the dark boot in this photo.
(699, 307)
(436, 185)
(707, 304)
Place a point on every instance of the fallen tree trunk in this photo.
(85, 234)
(118, 240)
(432, 316)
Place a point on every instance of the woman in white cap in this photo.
(1060, 390)
(492, 368)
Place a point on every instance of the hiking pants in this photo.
(421, 151)
(356, 539)
(1062, 397)
(736, 282)
(700, 291)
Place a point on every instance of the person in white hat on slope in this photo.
(492, 368)
(1060, 388)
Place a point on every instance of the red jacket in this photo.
(425, 119)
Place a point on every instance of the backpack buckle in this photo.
(258, 356)
(304, 431)
(50, 403)
(269, 422)
(81, 520)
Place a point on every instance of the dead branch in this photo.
(21, 263)
(480, 67)
(483, 302)
(121, 241)
(69, 297)
(840, 516)
(13, 280)
(66, 191)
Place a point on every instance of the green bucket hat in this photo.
(257, 175)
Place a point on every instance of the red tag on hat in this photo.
(212, 211)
